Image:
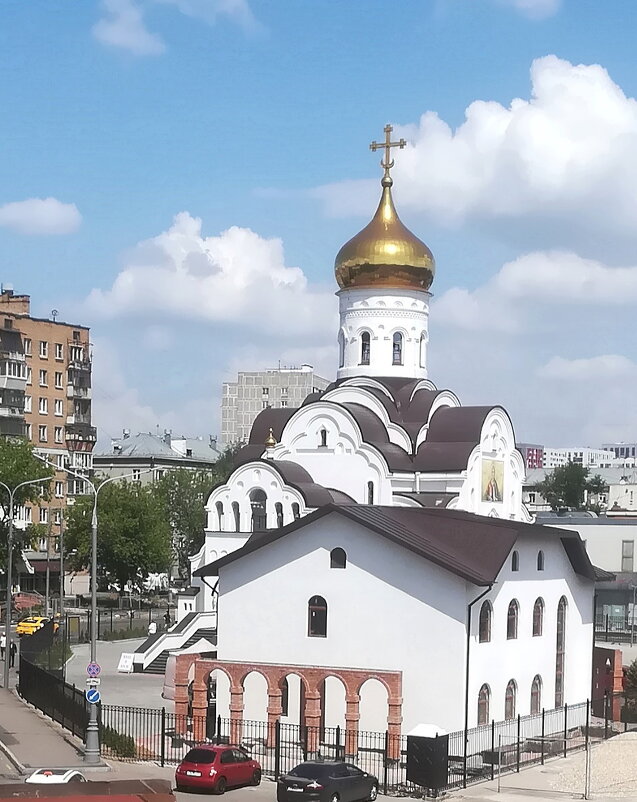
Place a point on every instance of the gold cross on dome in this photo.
(387, 163)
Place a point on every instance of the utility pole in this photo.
(47, 591)
(61, 546)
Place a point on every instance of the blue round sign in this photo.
(93, 670)
(93, 696)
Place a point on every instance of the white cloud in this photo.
(40, 216)
(123, 26)
(210, 11)
(536, 9)
(236, 277)
(596, 368)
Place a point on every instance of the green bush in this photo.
(124, 634)
(60, 653)
(118, 743)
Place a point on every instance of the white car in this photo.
(55, 777)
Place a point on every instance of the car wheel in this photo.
(256, 777)
(221, 786)
(179, 787)
(373, 793)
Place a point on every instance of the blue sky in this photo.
(255, 118)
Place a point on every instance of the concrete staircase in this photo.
(152, 655)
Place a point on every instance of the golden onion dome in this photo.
(385, 253)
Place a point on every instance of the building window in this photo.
(236, 514)
(317, 617)
(338, 558)
(57, 520)
(285, 696)
(219, 507)
(512, 620)
(509, 700)
(423, 350)
(540, 560)
(341, 349)
(42, 434)
(484, 623)
(278, 508)
(628, 553)
(57, 407)
(538, 617)
(27, 403)
(76, 336)
(44, 380)
(323, 438)
(265, 391)
(59, 352)
(44, 349)
(258, 502)
(58, 434)
(58, 380)
(137, 475)
(370, 492)
(397, 349)
(27, 346)
(44, 515)
(365, 348)
(29, 376)
(43, 406)
(296, 513)
(515, 561)
(284, 392)
(560, 650)
(484, 697)
(536, 695)
(60, 461)
(59, 489)
(29, 431)
(8, 323)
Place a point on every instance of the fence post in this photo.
(385, 757)
(304, 740)
(150, 612)
(338, 742)
(218, 732)
(163, 735)
(277, 749)
(606, 638)
(542, 739)
(588, 719)
(605, 714)
(565, 726)
(517, 749)
(111, 620)
(492, 747)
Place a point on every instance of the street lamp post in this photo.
(7, 616)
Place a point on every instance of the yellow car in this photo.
(30, 625)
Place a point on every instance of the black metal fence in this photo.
(112, 624)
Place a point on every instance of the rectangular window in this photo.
(58, 380)
(43, 406)
(42, 434)
(60, 460)
(75, 353)
(59, 489)
(59, 352)
(27, 346)
(284, 403)
(136, 475)
(284, 392)
(29, 431)
(44, 349)
(29, 376)
(27, 403)
(8, 323)
(58, 407)
(44, 515)
(628, 551)
(266, 391)
(57, 519)
(44, 378)
(59, 434)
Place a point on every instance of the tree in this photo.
(133, 537)
(569, 487)
(17, 465)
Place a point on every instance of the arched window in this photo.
(512, 620)
(515, 561)
(536, 694)
(509, 700)
(365, 348)
(397, 349)
(560, 652)
(219, 507)
(423, 350)
(540, 560)
(258, 501)
(237, 516)
(538, 617)
(317, 617)
(484, 697)
(370, 492)
(338, 558)
(323, 434)
(341, 349)
(279, 514)
(295, 511)
(484, 627)
(285, 696)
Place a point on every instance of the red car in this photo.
(215, 768)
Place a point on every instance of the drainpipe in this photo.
(466, 686)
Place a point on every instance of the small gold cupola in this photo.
(270, 440)
(385, 253)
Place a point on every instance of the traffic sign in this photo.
(93, 669)
(93, 681)
(92, 695)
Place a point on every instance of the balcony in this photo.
(75, 391)
(12, 426)
(13, 383)
(11, 411)
(80, 435)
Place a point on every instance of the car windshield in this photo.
(311, 771)
(200, 756)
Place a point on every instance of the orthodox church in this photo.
(377, 533)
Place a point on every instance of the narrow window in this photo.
(484, 697)
(219, 507)
(296, 514)
(341, 349)
(560, 652)
(628, 551)
(423, 350)
(323, 438)
(515, 561)
(370, 492)
(397, 350)
(285, 696)
(258, 502)
(538, 617)
(509, 700)
(536, 694)
(540, 560)
(279, 514)
(317, 617)
(512, 620)
(365, 348)
(484, 628)
(237, 516)
(338, 558)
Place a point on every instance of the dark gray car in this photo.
(326, 782)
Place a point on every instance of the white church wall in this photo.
(521, 659)
(402, 605)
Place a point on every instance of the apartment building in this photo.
(253, 391)
(45, 394)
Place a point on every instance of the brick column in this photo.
(312, 721)
(274, 714)
(352, 717)
(236, 713)
(182, 668)
(394, 721)
(200, 701)
(616, 683)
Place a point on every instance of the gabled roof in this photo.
(473, 547)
